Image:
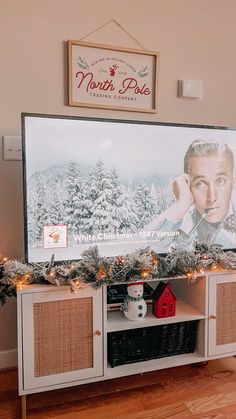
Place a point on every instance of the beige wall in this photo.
(196, 40)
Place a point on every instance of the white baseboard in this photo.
(8, 359)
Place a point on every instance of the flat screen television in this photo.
(124, 185)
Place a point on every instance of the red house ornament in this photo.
(163, 301)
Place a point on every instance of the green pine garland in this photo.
(96, 270)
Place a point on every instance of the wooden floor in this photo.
(187, 392)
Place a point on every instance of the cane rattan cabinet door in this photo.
(222, 314)
(61, 337)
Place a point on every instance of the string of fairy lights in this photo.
(96, 270)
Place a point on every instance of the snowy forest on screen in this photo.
(93, 200)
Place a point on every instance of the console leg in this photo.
(23, 407)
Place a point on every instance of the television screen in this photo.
(124, 185)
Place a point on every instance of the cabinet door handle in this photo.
(98, 333)
(213, 316)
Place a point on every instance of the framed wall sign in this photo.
(103, 76)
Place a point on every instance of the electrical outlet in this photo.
(12, 147)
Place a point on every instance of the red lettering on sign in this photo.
(132, 84)
(91, 84)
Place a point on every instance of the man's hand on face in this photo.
(182, 192)
(183, 196)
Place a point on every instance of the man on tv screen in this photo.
(203, 209)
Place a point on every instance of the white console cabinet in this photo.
(222, 314)
(62, 336)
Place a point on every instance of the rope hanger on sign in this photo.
(120, 27)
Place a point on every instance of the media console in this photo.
(63, 336)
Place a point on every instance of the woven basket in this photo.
(136, 345)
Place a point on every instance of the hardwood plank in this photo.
(220, 368)
(176, 390)
(226, 387)
(10, 409)
(216, 414)
(184, 392)
(8, 379)
(105, 408)
(171, 413)
(178, 410)
(217, 401)
(229, 411)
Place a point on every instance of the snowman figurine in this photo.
(134, 306)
